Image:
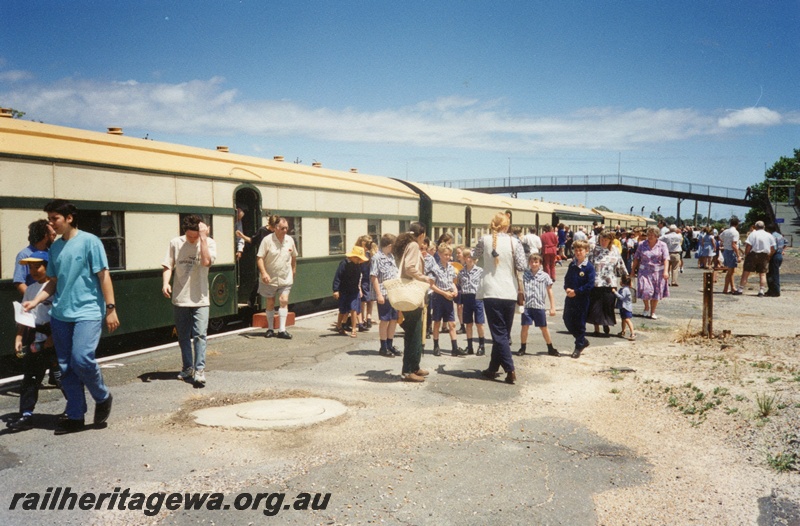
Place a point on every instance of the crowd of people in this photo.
(66, 285)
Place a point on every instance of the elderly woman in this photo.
(651, 265)
(609, 267)
(502, 258)
(412, 266)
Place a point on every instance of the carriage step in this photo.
(260, 320)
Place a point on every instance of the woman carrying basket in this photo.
(412, 266)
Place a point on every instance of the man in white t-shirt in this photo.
(277, 265)
(531, 242)
(673, 239)
(759, 247)
(189, 257)
(730, 254)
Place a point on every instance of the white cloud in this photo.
(757, 116)
(15, 75)
(205, 107)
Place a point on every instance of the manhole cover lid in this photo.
(271, 414)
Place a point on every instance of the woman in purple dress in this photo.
(651, 265)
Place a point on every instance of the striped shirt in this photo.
(383, 267)
(430, 263)
(470, 280)
(444, 276)
(536, 286)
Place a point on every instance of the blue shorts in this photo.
(537, 317)
(442, 309)
(349, 302)
(625, 314)
(386, 312)
(729, 259)
(473, 310)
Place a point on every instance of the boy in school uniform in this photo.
(537, 285)
(427, 251)
(469, 280)
(34, 345)
(458, 263)
(625, 306)
(444, 290)
(347, 289)
(383, 267)
(578, 282)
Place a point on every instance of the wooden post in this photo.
(708, 304)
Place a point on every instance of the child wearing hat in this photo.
(347, 289)
(34, 345)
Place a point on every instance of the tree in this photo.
(785, 169)
(15, 114)
(603, 208)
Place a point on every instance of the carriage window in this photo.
(374, 229)
(109, 226)
(336, 235)
(405, 226)
(296, 231)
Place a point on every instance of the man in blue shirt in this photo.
(775, 262)
(40, 236)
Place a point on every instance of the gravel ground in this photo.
(669, 429)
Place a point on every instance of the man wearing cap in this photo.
(759, 248)
(277, 266)
(40, 236)
(189, 257)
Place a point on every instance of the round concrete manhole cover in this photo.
(271, 414)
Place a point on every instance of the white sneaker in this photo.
(186, 374)
(200, 377)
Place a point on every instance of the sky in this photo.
(688, 91)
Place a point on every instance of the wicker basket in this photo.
(406, 294)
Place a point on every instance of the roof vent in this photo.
(354, 170)
(223, 149)
(115, 131)
(278, 158)
(316, 165)
(6, 112)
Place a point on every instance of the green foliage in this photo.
(15, 114)
(784, 169)
(767, 404)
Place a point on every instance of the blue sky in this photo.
(700, 91)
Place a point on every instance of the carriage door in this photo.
(249, 200)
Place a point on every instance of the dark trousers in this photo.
(500, 318)
(34, 367)
(774, 274)
(412, 340)
(575, 311)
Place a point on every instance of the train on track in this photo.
(133, 193)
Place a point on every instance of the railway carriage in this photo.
(466, 215)
(132, 193)
(614, 219)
